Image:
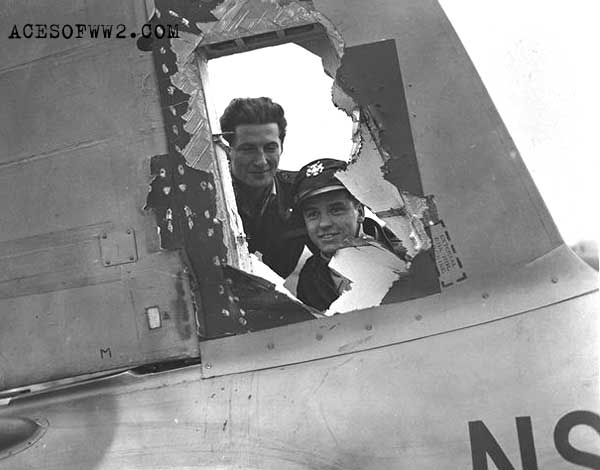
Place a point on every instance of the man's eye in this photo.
(271, 148)
(245, 149)
(338, 210)
(310, 214)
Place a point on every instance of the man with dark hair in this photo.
(255, 129)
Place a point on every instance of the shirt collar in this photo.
(241, 190)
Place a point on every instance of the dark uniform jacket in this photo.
(271, 226)
(316, 286)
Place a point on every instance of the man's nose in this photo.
(261, 157)
(324, 220)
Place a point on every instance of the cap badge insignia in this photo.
(315, 169)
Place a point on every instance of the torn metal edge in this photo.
(188, 134)
(194, 130)
(369, 88)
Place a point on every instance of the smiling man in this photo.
(333, 219)
(255, 129)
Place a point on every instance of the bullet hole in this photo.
(144, 44)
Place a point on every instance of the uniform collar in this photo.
(246, 195)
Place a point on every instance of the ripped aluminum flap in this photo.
(372, 271)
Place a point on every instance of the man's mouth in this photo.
(260, 172)
(328, 236)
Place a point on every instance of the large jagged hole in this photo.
(383, 174)
(237, 291)
(295, 79)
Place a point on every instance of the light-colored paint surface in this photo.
(401, 406)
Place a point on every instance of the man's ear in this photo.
(225, 145)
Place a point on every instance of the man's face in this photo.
(330, 219)
(255, 153)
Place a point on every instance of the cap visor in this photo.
(316, 192)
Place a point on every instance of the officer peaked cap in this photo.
(317, 177)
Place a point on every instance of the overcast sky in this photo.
(538, 60)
